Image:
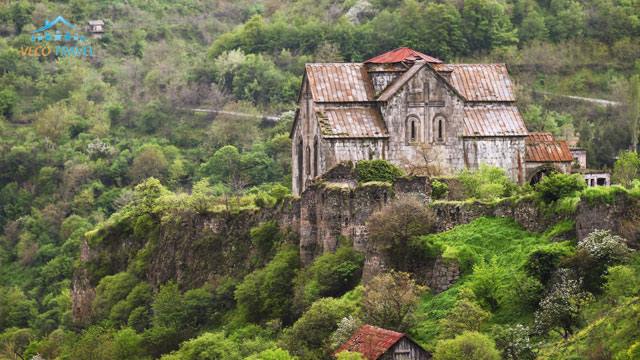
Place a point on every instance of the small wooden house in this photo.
(96, 28)
(376, 343)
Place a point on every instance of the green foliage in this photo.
(557, 186)
(330, 275)
(266, 238)
(543, 263)
(208, 346)
(466, 315)
(348, 355)
(267, 293)
(395, 228)
(376, 170)
(439, 189)
(626, 168)
(468, 345)
(390, 300)
(487, 183)
(308, 338)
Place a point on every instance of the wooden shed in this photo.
(376, 343)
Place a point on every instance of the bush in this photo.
(330, 275)
(377, 170)
(209, 346)
(394, 230)
(557, 186)
(543, 263)
(514, 343)
(390, 299)
(267, 293)
(309, 336)
(466, 315)
(439, 189)
(626, 168)
(468, 345)
(486, 183)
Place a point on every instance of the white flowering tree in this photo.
(560, 309)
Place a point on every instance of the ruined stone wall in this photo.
(335, 151)
(504, 152)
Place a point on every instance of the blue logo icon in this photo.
(69, 43)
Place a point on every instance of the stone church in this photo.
(419, 113)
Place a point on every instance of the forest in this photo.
(111, 144)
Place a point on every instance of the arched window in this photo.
(316, 166)
(413, 129)
(439, 129)
(308, 160)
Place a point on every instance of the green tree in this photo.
(390, 299)
(466, 315)
(557, 186)
(626, 168)
(486, 25)
(395, 227)
(468, 345)
(560, 309)
(208, 346)
(267, 293)
(8, 101)
(309, 336)
(21, 14)
(149, 162)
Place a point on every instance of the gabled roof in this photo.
(339, 82)
(351, 122)
(493, 120)
(402, 54)
(397, 84)
(371, 341)
(483, 82)
(543, 147)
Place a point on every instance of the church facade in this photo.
(419, 113)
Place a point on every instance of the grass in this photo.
(485, 238)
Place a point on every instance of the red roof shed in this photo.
(376, 343)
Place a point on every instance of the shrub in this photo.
(389, 300)
(265, 238)
(626, 168)
(393, 231)
(346, 328)
(542, 264)
(272, 354)
(309, 336)
(468, 345)
(377, 170)
(349, 355)
(466, 315)
(486, 183)
(487, 282)
(514, 343)
(439, 189)
(267, 293)
(210, 346)
(557, 186)
(560, 309)
(331, 274)
(606, 247)
(622, 281)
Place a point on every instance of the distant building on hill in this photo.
(419, 113)
(376, 343)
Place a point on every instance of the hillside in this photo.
(134, 227)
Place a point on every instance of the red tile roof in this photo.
(371, 341)
(543, 147)
(351, 122)
(483, 82)
(339, 82)
(493, 120)
(402, 54)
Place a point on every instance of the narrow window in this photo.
(439, 129)
(300, 165)
(308, 160)
(413, 130)
(315, 158)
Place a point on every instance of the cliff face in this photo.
(190, 249)
(193, 248)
